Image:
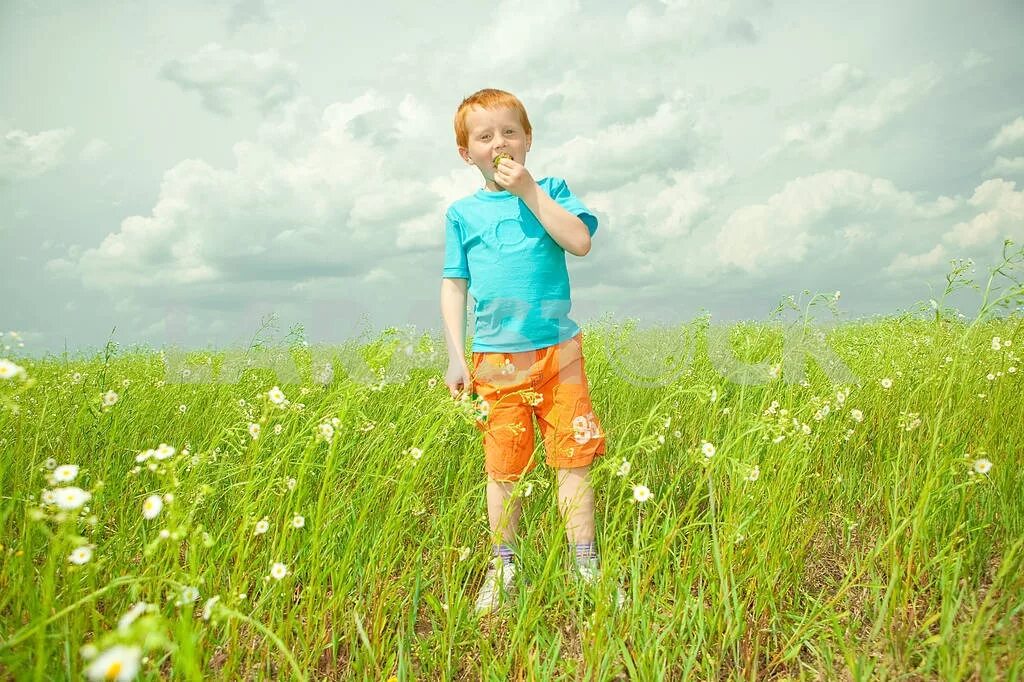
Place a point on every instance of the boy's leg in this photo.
(576, 502)
(503, 511)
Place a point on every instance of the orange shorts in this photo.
(549, 382)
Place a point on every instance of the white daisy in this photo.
(641, 493)
(189, 594)
(276, 395)
(262, 526)
(886, 383)
(982, 466)
(996, 343)
(71, 497)
(208, 606)
(152, 506)
(856, 415)
(131, 615)
(326, 431)
(81, 555)
(163, 451)
(9, 370)
(119, 663)
(65, 473)
(109, 398)
(254, 431)
(278, 570)
(707, 449)
(298, 521)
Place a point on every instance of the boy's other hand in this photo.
(514, 177)
(458, 378)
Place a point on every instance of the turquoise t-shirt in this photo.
(516, 272)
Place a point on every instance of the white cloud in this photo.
(1004, 166)
(292, 209)
(1003, 216)
(26, 155)
(847, 121)
(804, 218)
(247, 12)
(669, 138)
(94, 150)
(842, 79)
(228, 79)
(657, 211)
(1009, 135)
(974, 59)
(905, 263)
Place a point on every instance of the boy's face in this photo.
(491, 132)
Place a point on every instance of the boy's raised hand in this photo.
(458, 378)
(514, 177)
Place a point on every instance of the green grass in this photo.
(863, 550)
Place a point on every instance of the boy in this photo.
(506, 244)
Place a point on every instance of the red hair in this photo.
(488, 98)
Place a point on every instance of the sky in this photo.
(174, 173)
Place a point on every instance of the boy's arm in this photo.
(566, 229)
(453, 312)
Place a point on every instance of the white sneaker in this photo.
(498, 581)
(590, 573)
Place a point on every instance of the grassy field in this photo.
(336, 530)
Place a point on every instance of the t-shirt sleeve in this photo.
(455, 263)
(561, 193)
